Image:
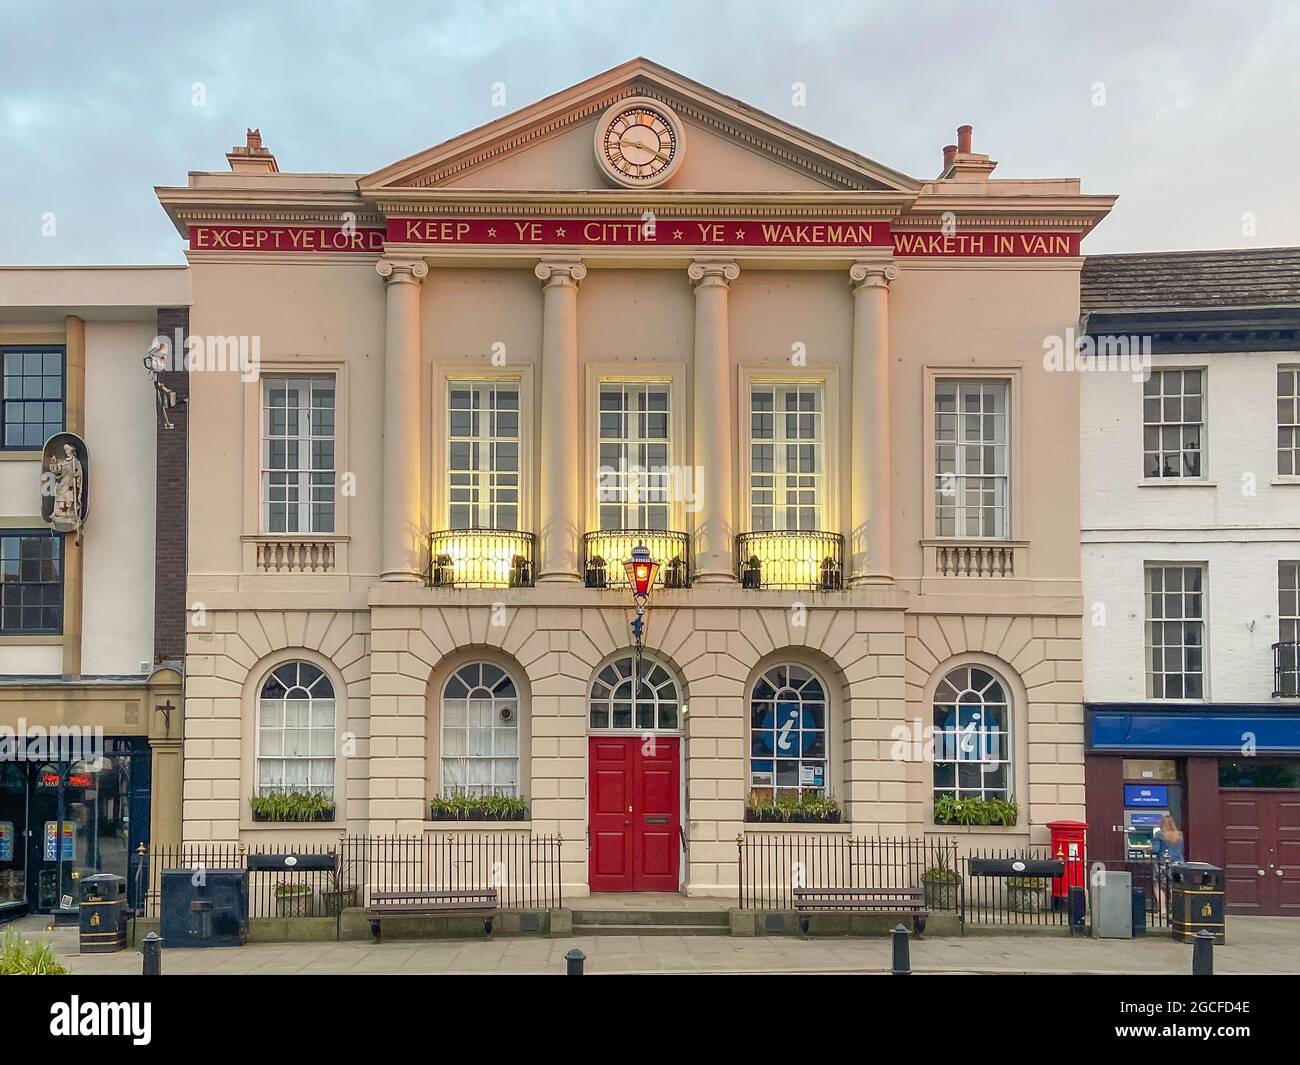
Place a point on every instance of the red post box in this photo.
(1069, 843)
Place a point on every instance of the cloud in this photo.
(97, 101)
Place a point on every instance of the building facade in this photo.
(91, 617)
(1191, 549)
(637, 311)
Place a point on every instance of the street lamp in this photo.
(641, 571)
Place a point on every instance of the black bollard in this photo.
(574, 960)
(902, 953)
(1203, 953)
(151, 948)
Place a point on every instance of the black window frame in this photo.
(60, 556)
(44, 349)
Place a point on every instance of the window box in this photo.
(794, 808)
(777, 817)
(295, 807)
(975, 811)
(478, 808)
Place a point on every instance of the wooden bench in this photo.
(906, 901)
(432, 904)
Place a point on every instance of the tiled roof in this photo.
(1191, 280)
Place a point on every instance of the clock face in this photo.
(638, 143)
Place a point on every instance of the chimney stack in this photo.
(251, 157)
(963, 139)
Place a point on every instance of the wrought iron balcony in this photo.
(791, 560)
(1286, 670)
(480, 558)
(605, 552)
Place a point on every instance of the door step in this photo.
(666, 922)
(651, 930)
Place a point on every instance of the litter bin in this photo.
(1196, 900)
(104, 915)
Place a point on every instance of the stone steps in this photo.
(650, 930)
(666, 922)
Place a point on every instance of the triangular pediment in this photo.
(548, 146)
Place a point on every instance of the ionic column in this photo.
(715, 525)
(559, 487)
(403, 528)
(871, 462)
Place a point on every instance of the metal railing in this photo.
(791, 560)
(1286, 670)
(524, 869)
(480, 558)
(605, 552)
(773, 864)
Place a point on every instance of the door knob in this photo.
(1278, 872)
(1259, 872)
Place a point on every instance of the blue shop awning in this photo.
(1204, 728)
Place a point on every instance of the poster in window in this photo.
(6, 841)
(51, 851)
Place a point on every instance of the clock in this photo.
(638, 143)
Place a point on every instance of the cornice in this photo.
(599, 203)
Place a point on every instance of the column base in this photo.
(871, 578)
(558, 578)
(719, 577)
(400, 575)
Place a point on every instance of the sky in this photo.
(1185, 110)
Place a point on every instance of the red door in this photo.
(634, 814)
(1261, 849)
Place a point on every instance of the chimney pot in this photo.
(254, 139)
(949, 150)
(963, 139)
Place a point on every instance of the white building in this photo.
(1191, 547)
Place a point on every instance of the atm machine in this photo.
(1144, 805)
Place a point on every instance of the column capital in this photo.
(705, 272)
(872, 274)
(402, 271)
(560, 272)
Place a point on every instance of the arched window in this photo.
(788, 741)
(972, 735)
(643, 697)
(480, 731)
(296, 738)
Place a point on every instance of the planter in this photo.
(941, 894)
(1026, 899)
(335, 902)
(477, 815)
(327, 815)
(293, 902)
(773, 817)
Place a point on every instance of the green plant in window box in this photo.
(949, 810)
(807, 808)
(282, 804)
(459, 806)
